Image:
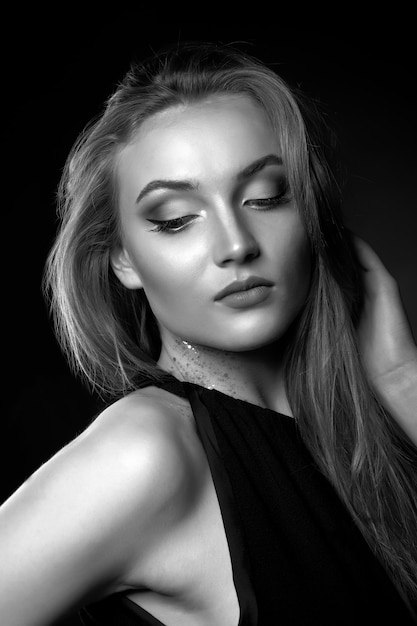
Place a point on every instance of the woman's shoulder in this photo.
(99, 505)
(144, 419)
(147, 434)
(137, 450)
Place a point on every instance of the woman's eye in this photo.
(282, 197)
(172, 226)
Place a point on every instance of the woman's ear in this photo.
(124, 268)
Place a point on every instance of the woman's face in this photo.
(204, 203)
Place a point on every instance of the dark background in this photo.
(56, 72)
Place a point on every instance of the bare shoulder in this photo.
(99, 505)
(146, 435)
(145, 448)
(149, 409)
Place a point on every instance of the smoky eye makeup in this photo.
(169, 214)
(268, 193)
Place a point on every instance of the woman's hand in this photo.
(387, 347)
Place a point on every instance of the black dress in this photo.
(297, 556)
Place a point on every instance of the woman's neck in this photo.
(255, 376)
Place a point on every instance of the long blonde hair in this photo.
(111, 337)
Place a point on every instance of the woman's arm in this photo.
(388, 350)
(78, 527)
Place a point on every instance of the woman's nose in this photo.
(233, 241)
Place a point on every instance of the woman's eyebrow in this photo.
(189, 185)
(176, 185)
(259, 164)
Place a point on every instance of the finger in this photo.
(368, 258)
(377, 279)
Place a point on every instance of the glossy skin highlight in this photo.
(183, 245)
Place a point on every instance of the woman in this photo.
(255, 462)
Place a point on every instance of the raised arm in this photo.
(76, 530)
(388, 349)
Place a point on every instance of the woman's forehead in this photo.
(211, 139)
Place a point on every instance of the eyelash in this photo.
(172, 226)
(269, 203)
(179, 224)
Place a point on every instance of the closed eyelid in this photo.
(268, 188)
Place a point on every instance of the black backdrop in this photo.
(57, 71)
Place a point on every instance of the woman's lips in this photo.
(249, 297)
(249, 292)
